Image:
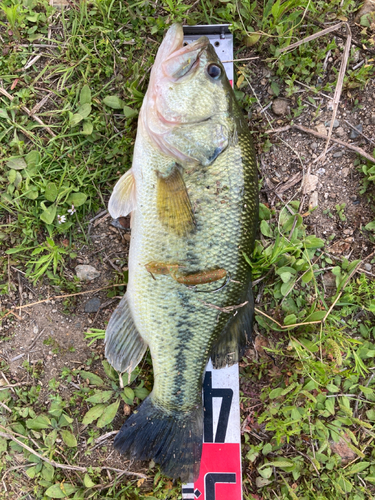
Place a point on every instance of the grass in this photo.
(311, 387)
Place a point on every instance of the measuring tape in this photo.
(220, 476)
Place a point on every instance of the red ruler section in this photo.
(220, 475)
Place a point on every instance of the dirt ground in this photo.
(50, 335)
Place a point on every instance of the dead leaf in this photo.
(259, 343)
(341, 246)
(240, 80)
(342, 449)
(127, 409)
(309, 183)
(289, 183)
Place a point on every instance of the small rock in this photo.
(372, 119)
(345, 172)
(340, 132)
(321, 129)
(314, 146)
(339, 154)
(355, 131)
(280, 107)
(86, 273)
(313, 202)
(368, 266)
(321, 171)
(336, 124)
(92, 305)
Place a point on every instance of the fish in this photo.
(192, 193)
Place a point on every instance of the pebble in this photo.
(313, 202)
(280, 107)
(336, 124)
(86, 273)
(339, 154)
(372, 119)
(92, 305)
(345, 172)
(321, 129)
(321, 171)
(355, 132)
(314, 146)
(340, 132)
(367, 266)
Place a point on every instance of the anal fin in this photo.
(236, 335)
(124, 346)
(173, 203)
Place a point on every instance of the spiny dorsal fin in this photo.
(124, 347)
(123, 199)
(173, 203)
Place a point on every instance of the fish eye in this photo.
(214, 71)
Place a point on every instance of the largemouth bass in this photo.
(193, 196)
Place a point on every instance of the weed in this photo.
(340, 211)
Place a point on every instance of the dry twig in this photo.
(340, 81)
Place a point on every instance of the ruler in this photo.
(220, 476)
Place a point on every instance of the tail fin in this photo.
(172, 439)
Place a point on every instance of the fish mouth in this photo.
(184, 61)
(176, 57)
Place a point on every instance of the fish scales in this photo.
(181, 324)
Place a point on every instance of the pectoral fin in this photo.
(123, 199)
(173, 203)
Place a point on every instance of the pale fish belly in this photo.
(178, 327)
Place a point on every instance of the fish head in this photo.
(188, 100)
